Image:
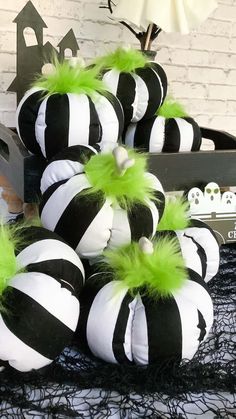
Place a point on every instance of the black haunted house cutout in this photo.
(30, 59)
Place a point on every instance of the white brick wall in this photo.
(201, 66)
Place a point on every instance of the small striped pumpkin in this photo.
(120, 326)
(41, 306)
(160, 134)
(90, 223)
(140, 92)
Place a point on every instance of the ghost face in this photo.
(212, 192)
(228, 201)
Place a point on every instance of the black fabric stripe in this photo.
(161, 73)
(49, 192)
(202, 326)
(61, 270)
(118, 110)
(140, 221)
(89, 291)
(57, 119)
(34, 325)
(120, 329)
(164, 329)
(201, 253)
(78, 216)
(143, 134)
(172, 136)
(95, 127)
(195, 277)
(197, 136)
(26, 120)
(126, 91)
(171, 234)
(77, 153)
(159, 201)
(154, 90)
(32, 234)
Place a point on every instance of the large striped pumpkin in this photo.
(90, 223)
(40, 304)
(160, 134)
(132, 327)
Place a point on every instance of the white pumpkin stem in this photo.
(146, 246)
(123, 162)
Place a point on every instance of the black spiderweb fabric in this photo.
(78, 387)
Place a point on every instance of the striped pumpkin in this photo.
(42, 306)
(91, 223)
(140, 329)
(160, 134)
(140, 92)
(49, 124)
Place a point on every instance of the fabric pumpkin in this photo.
(170, 130)
(125, 323)
(93, 207)
(41, 278)
(141, 86)
(68, 107)
(198, 242)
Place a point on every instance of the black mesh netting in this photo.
(75, 386)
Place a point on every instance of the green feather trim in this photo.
(123, 60)
(9, 241)
(130, 188)
(175, 216)
(171, 109)
(68, 79)
(158, 274)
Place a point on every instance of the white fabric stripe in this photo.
(111, 79)
(109, 122)
(128, 331)
(20, 356)
(120, 232)
(102, 320)
(79, 119)
(160, 84)
(140, 100)
(130, 134)
(186, 134)
(157, 137)
(190, 298)
(59, 170)
(97, 235)
(40, 126)
(60, 199)
(155, 215)
(139, 341)
(189, 321)
(154, 181)
(26, 95)
(48, 249)
(207, 241)
(189, 251)
(48, 292)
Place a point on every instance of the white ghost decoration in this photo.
(196, 201)
(228, 202)
(212, 197)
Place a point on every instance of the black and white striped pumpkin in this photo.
(42, 306)
(160, 134)
(91, 223)
(49, 124)
(120, 327)
(140, 92)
